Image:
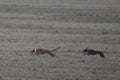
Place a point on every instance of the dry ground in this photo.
(25, 25)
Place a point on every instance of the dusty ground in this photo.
(28, 24)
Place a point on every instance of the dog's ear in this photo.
(86, 48)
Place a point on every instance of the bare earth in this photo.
(71, 24)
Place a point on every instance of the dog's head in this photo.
(33, 51)
(85, 50)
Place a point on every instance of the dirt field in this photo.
(71, 24)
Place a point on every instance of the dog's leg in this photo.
(88, 53)
(53, 55)
(84, 54)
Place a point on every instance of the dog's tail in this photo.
(56, 48)
(102, 55)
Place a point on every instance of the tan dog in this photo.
(44, 51)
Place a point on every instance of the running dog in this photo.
(44, 51)
(93, 52)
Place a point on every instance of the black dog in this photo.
(93, 52)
